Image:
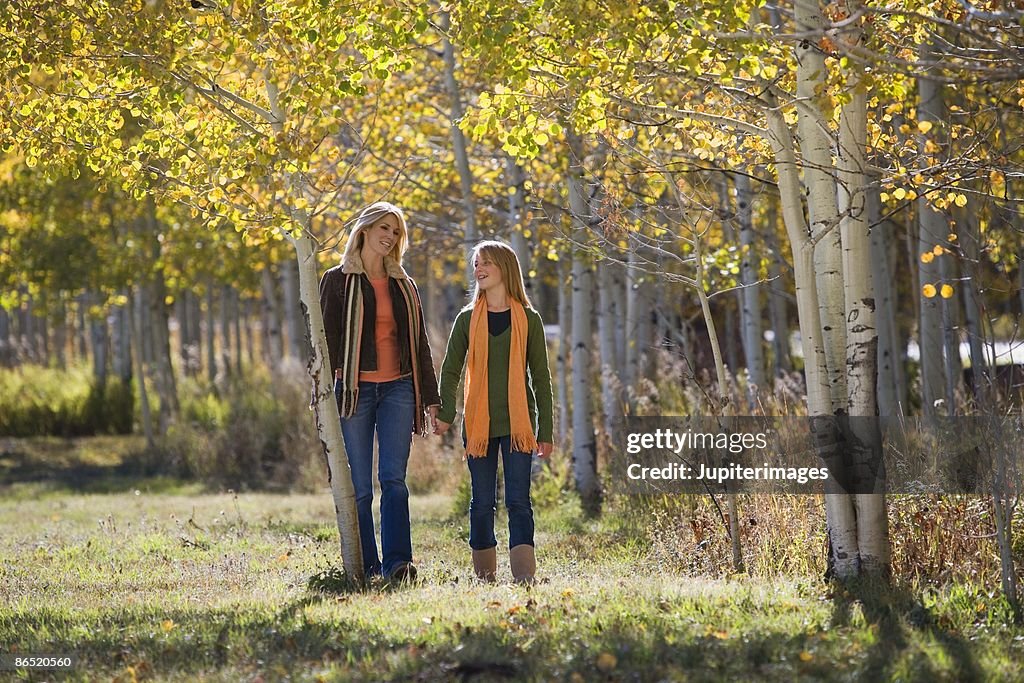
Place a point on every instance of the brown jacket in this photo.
(333, 297)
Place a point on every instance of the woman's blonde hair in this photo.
(369, 217)
(503, 256)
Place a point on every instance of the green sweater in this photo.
(538, 378)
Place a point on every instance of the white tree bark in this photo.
(839, 511)
(584, 449)
(324, 404)
(607, 320)
(635, 341)
(890, 363)
(864, 437)
(750, 299)
(564, 359)
(459, 145)
(325, 409)
(819, 176)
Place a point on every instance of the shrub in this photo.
(41, 401)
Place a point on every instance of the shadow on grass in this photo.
(22, 463)
(319, 633)
(896, 611)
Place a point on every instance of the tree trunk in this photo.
(119, 322)
(606, 323)
(6, 346)
(325, 409)
(517, 222)
(292, 315)
(933, 230)
(272, 315)
(584, 451)
(634, 341)
(459, 144)
(864, 437)
(750, 295)
(839, 510)
(564, 352)
(136, 305)
(184, 330)
(969, 238)
(236, 324)
(81, 336)
(99, 341)
(890, 358)
(225, 329)
(782, 361)
(60, 333)
(211, 353)
(250, 351)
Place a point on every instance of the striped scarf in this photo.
(352, 320)
(478, 418)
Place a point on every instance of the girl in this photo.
(384, 377)
(505, 410)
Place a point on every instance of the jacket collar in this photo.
(353, 263)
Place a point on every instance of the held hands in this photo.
(432, 413)
(544, 450)
(440, 427)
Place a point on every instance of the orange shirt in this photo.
(385, 335)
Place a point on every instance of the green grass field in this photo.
(158, 580)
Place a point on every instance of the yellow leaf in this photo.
(606, 662)
(951, 237)
(938, 250)
(927, 257)
(806, 656)
(924, 126)
(928, 291)
(961, 200)
(167, 625)
(899, 193)
(946, 291)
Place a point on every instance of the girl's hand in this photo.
(544, 450)
(440, 427)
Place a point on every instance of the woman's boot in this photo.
(523, 562)
(485, 564)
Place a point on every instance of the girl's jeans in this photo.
(484, 475)
(387, 408)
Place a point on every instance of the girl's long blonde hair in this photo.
(503, 256)
(368, 217)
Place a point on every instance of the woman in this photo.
(505, 409)
(384, 377)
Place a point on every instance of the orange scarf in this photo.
(478, 419)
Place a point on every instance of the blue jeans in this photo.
(484, 476)
(387, 408)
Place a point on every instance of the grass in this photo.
(180, 584)
(163, 580)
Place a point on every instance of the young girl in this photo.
(505, 409)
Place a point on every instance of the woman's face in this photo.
(381, 237)
(487, 273)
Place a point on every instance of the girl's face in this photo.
(487, 273)
(381, 237)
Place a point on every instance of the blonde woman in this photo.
(384, 377)
(508, 404)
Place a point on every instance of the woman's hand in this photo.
(432, 412)
(440, 427)
(544, 450)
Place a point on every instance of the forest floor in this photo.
(155, 579)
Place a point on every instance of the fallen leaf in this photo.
(606, 662)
